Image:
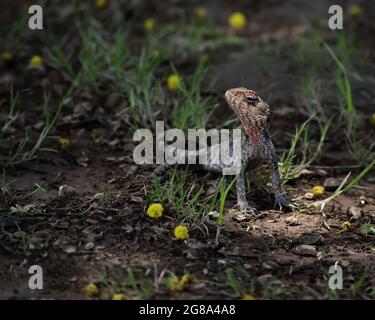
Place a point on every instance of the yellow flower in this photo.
(175, 285)
(174, 82)
(346, 226)
(181, 232)
(237, 20)
(91, 290)
(119, 296)
(248, 297)
(149, 24)
(7, 56)
(318, 191)
(101, 4)
(155, 210)
(200, 13)
(372, 119)
(64, 143)
(187, 278)
(36, 61)
(355, 10)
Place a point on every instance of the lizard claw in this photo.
(245, 208)
(282, 201)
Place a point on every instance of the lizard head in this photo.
(251, 110)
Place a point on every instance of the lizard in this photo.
(256, 145)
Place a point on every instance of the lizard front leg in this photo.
(241, 194)
(280, 198)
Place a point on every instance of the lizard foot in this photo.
(282, 201)
(245, 208)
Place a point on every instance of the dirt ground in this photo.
(80, 236)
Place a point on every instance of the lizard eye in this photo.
(250, 101)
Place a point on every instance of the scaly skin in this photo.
(253, 113)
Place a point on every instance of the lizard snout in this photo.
(229, 95)
(264, 107)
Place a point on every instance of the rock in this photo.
(320, 256)
(305, 250)
(66, 191)
(305, 172)
(362, 201)
(28, 207)
(91, 221)
(227, 262)
(35, 242)
(309, 196)
(212, 217)
(82, 159)
(131, 170)
(270, 265)
(39, 125)
(292, 221)
(214, 214)
(136, 199)
(310, 238)
(196, 245)
(89, 245)
(198, 286)
(128, 229)
(355, 212)
(70, 249)
(263, 279)
(331, 183)
(321, 172)
(284, 260)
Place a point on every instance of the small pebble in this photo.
(292, 221)
(362, 201)
(331, 183)
(355, 212)
(70, 249)
(66, 191)
(305, 250)
(309, 196)
(310, 238)
(89, 245)
(270, 265)
(265, 278)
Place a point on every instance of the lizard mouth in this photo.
(263, 107)
(229, 96)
